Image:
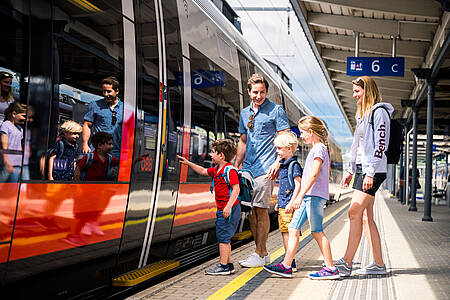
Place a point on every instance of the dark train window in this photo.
(14, 136)
(215, 109)
(87, 91)
(247, 69)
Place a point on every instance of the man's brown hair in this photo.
(256, 78)
(111, 80)
(226, 147)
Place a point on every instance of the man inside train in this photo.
(259, 124)
(105, 115)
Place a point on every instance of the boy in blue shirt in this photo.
(228, 207)
(289, 183)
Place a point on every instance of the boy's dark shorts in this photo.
(378, 179)
(226, 228)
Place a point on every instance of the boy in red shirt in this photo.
(228, 207)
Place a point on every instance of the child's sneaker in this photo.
(344, 269)
(325, 273)
(75, 240)
(279, 269)
(294, 266)
(372, 269)
(219, 269)
(231, 267)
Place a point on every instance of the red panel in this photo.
(7, 210)
(195, 203)
(48, 213)
(126, 152)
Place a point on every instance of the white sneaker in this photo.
(267, 259)
(253, 261)
(248, 257)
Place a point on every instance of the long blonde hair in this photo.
(371, 95)
(317, 126)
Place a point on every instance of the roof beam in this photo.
(388, 84)
(413, 8)
(384, 92)
(378, 46)
(407, 30)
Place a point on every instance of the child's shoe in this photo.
(87, 229)
(325, 273)
(231, 267)
(372, 269)
(219, 269)
(279, 269)
(95, 227)
(294, 266)
(75, 240)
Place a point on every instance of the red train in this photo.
(182, 68)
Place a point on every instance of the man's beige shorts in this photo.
(284, 219)
(263, 191)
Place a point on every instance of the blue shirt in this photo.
(260, 152)
(283, 195)
(101, 115)
(63, 163)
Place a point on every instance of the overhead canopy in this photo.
(421, 28)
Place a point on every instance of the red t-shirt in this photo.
(97, 170)
(221, 189)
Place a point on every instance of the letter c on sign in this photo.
(395, 68)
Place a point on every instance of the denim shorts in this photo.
(311, 209)
(226, 228)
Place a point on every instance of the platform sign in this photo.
(375, 66)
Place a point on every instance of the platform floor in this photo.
(415, 252)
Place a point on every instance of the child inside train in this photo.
(62, 156)
(309, 202)
(226, 195)
(290, 174)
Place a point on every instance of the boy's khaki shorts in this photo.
(284, 219)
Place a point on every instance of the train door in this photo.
(154, 185)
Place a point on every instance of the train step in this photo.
(135, 277)
(242, 235)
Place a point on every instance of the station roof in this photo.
(422, 31)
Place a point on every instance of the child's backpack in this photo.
(90, 160)
(44, 165)
(291, 175)
(395, 138)
(246, 186)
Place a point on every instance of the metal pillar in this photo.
(401, 187)
(412, 206)
(407, 155)
(429, 154)
(356, 43)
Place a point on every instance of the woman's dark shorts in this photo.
(378, 179)
(226, 228)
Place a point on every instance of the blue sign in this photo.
(375, 66)
(203, 79)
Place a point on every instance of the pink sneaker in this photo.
(95, 228)
(87, 229)
(75, 240)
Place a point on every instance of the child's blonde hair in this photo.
(317, 126)
(71, 126)
(286, 139)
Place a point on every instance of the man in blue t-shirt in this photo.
(259, 123)
(105, 115)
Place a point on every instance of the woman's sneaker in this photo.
(344, 269)
(219, 269)
(325, 273)
(279, 269)
(372, 269)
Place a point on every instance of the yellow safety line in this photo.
(242, 279)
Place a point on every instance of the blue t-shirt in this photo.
(260, 152)
(283, 196)
(63, 163)
(101, 115)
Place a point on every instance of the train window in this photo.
(87, 106)
(247, 69)
(215, 109)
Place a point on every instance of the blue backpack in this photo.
(246, 186)
(291, 175)
(90, 160)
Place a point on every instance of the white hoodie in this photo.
(375, 142)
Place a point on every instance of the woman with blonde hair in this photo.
(368, 165)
